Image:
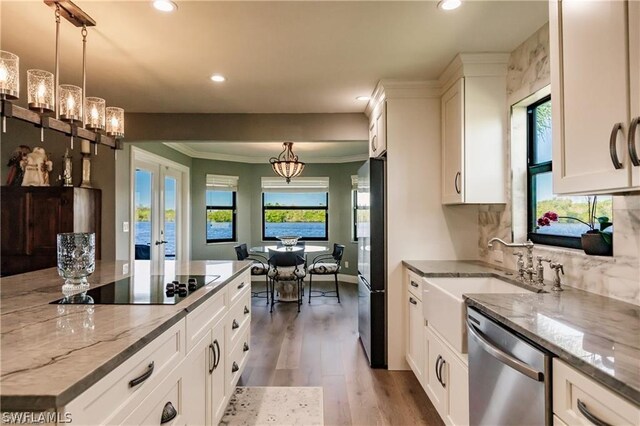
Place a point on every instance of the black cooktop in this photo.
(153, 290)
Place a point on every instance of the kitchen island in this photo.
(52, 354)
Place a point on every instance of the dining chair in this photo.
(259, 267)
(286, 266)
(326, 264)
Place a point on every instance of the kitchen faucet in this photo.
(528, 268)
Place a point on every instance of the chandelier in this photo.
(287, 164)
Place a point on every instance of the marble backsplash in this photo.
(618, 276)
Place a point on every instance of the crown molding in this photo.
(186, 150)
(398, 89)
(473, 65)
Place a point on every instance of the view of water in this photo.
(143, 236)
(302, 229)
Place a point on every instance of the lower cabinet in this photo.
(219, 394)
(415, 345)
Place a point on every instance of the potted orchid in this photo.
(595, 241)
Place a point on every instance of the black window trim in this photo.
(534, 169)
(234, 220)
(326, 222)
(354, 215)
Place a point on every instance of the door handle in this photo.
(582, 407)
(412, 300)
(437, 370)
(374, 143)
(213, 357)
(455, 182)
(507, 359)
(442, 363)
(219, 357)
(143, 377)
(631, 139)
(613, 151)
(161, 242)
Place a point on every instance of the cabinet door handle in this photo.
(246, 310)
(234, 367)
(212, 366)
(413, 301)
(414, 284)
(442, 363)
(374, 143)
(437, 369)
(455, 182)
(613, 151)
(168, 413)
(219, 357)
(234, 325)
(245, 347)
(241, 286)
(143, 377)
(582, 407)
(633, 154)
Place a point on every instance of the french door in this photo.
(159, 219)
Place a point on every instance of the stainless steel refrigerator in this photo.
(372, 260)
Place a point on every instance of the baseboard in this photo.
(352, 279)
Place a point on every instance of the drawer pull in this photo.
(168, 413)
(219, 357)
(246, 310)
(414, 284)
(245, 347)
(241, 286)
(234, 367)
(212, 366)
(613, 151)
(455, 183)
(234, 325)
(633, 154)
(582, 407)
(442, 363)
(412, 300)
(437, 369)
(143, 377)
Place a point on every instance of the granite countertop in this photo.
(597, 335)
(51, 354)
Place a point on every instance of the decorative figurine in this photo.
(85, 149)
(36, 166)
(67, 167)
(14, 178)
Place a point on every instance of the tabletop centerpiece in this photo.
(76, 259)
(289, 241)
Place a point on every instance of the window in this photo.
(565, 232)
(300, 208)
(221, 208)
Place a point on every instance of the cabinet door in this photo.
(14, 222)
(415, 344)
(435, 389)
(457, 384)
(49, 213)
(634, 80)
(197, 382)
(590, 95)
(452, 110)
(218, 400)
(381, 131)
(373, 137)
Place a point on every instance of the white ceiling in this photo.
(260, 152)
(278, 56)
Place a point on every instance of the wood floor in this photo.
(319, 347)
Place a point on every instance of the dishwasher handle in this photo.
(507, 359)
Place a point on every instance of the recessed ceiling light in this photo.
(449, 4)
(362, 98)
(165, 5)
(218, 78)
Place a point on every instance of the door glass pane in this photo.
(142, 218)
(542, 148)
(170, 209)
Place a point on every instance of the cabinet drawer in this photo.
(414, 284)
(238, 318)
(238, 286)
(149, 412)
(577, 397)
(109, 400)
(237, 360)
(200, 321)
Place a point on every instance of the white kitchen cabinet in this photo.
(594, 92)
(415, 341)
(447, 381)
(473, 130)
(634, 86)
(197, 382)
(378, 131)
(578, 400)
(219, 393)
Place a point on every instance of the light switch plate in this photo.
(125, 226)
(346, 264)
(125, 268)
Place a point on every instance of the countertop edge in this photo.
(53, 402)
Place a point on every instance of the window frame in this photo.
(326, 222)
(234, 218)
(354, 215)
(534, 169)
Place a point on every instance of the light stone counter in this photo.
(49, 355)
(597, 335)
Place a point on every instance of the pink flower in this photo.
(552, 216)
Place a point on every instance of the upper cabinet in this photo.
(378, 131)
(595, 83)
(474, 120)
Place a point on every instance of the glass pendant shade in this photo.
(9, 75)
(41, 94)
(287, 164)
(70, 107)
(94, 113)
(115, 122)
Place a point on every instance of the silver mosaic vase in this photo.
(76, 259)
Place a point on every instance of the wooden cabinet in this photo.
(595, 95)
(473, 128)
(33, 216)
(378, 131)
(578, 400)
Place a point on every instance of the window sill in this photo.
(570, 252)
(218, 243)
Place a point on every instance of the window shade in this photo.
(307, 184)
(222, 183)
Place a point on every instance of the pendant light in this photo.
(9, 79)
(115, 122)
(287, 164)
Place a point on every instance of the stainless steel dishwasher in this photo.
(509, 378)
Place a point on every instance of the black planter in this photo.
(593, 243)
